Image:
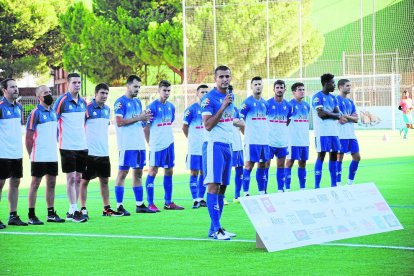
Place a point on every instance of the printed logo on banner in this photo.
(319, 215)
(381, 206)
(391, 220)
(342, 229)
(253, 207)
(268, 205)
(379, 222)
(329, 230)
(305, 217)
(301, 235)
(292, 219)
(276, 220)
(322, 198)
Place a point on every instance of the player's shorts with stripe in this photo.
(40, 169)
(349, 146)
(217, 162)
(298, 153)
(11, 168)
(194, 162)
(134, 159)
(164, 158)
(278, 152)
(237, 159)
(256, 153)
(97, 166)
(327, 144)
(73, 160)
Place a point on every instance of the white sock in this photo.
(139, 203)
(261, 192)
(73, 208)
(338, 183)
(350, 182)
(280, 191)
(118, 204)
(287, 190)
(246, 193)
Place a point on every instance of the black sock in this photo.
(31, 212)
(13, 214)
(50, 211)
(106, 207)
(83, 208)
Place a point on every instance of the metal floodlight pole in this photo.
(268, 47)
(361, 34)
(215, 33)
(300, 42)
(374, 63)
(185, 56)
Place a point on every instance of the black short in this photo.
(40, 169)
(11, 168)
(73, 160)
(97, 166)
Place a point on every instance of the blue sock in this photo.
(149, 185)
(238, 180)
(246, 180)
(214, 211)
(288, 177)
(193, 186)
(139, 193)
(119, 193)
(302, 177)
(353, 167)
(168, 188)
(260, 177)
(318, 173)
(280, 175)
(267, 178)
(332, 172)
(201, 189)
(338, 171)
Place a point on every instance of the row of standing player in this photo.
(128, 113)
(83, 144)
(273, 128)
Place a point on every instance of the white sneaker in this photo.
(221, 235)
(230, 234)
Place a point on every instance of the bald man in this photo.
(41, 145)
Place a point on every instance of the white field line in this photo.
(188, 239)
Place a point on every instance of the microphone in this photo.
(230, 89)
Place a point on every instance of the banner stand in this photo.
(259, 242)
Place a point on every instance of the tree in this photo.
(30, 38)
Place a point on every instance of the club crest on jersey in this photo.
(316, 100)
(44, 116)
(94, 113)
(244, 106)
(118, 106)
(205, 102)
(187, 113)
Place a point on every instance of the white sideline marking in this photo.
(188, 239)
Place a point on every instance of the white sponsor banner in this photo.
(295, 219)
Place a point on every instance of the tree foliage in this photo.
(121, 36)
(30, 39)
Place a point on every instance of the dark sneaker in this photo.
(144, 209)
(154, 208)
(2, 225)
(15, 220)
(69, 216)
(111, 213)
(54, 218)
(123, 211)
(84, 213)
(35, 221)
(203, 203)
(78, 217)
(173, 206)
(196, 205)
